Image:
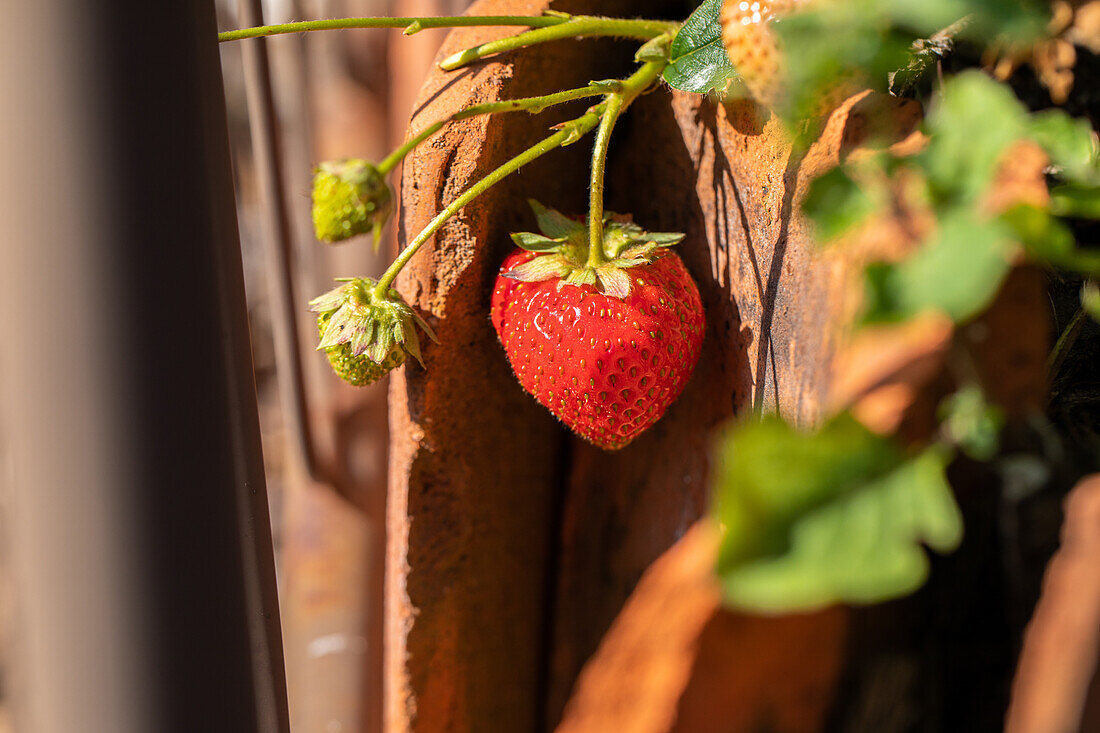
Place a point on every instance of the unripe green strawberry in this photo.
(358, 371)
(366, 335)
(605, 349)
(350, 197)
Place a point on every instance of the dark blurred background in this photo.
(336, 94)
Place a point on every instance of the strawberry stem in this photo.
(410, 25)
(533, 105)
(614, 105)
(575, 27)
(613, 108)
(569, 132)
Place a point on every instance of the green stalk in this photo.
(575, 27)
(631, 88)
(616, 104)
(530, 104)
(411, 25)
(596, 255)
(569, 132)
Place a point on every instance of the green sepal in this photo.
(554, 224)
(613, 281)
(579, 277)
(536, 242)
(540, 268)
(562, 251)
(629, 241)
(357, 326)
(350, 197)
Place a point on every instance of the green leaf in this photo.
(1069, 142)
(989, 22)
(926, 17)
(1049, 241)
(972, 423)
(974, 122)
(866, 40)
(697, 59)
(849, 40)
(957, 273)
(1076, 200)
(837, 204)
(833, 516)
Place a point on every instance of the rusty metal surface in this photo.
(513, 545)
(493, 602)
(776, 310)
(476, 465)
(675, 660)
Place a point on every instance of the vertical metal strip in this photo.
(142, 558)
(278, 243)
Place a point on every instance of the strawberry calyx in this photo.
(562, 251)
(379, 328)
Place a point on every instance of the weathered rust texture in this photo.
(675, 660)
(869, 669)
(775, 311)
(476, 464)
(512, 546)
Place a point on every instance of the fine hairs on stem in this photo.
(533, 105)
(631, 88)
(618, 94)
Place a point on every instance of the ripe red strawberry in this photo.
(606, 362)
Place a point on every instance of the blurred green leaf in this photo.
(1069, 142)
(972, 423)
(832, 516)
(1048, 240)
(958, 272)
(697, 59)
(1005, 23)
(837, 42)
(1075, 200)
(867, 40)
(1090, 300)
(925, 17)
(836, 203)
(971, 125)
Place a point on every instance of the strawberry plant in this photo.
(603, 325)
